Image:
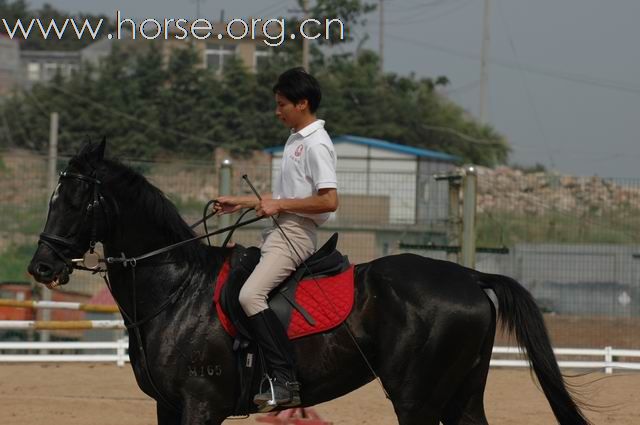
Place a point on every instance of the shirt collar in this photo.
(308, 130)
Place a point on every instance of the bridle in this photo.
(55, 242)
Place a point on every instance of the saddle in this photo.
(327, 274)
(326, 261)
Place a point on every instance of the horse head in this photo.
(72, 225)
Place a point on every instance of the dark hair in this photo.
(296, 85)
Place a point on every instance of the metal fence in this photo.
(573, 242)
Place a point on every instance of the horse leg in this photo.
(471, 414)
(199, 412)
(167, 416)
(466, 407)
(416, 414)
(422, 382)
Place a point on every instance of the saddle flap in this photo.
(242, 261)
(326, 261)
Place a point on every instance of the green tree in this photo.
(149, 105)
(351, 12)
(190, 102)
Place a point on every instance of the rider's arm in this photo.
(325, 201)
(235, 203)
(247, 201)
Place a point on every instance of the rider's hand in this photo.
(226, 205)
(268, 207)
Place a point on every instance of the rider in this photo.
(303, 197)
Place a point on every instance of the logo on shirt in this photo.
(299, 150)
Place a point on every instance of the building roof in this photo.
(385, 145)
(51, 54)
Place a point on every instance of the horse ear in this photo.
(86, 148)
(92, 152)
(98, 152)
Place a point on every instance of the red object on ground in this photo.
(16, 291)
(328, 300)
(297, 416)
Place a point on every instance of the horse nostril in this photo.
(43, 269)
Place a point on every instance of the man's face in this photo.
(288, 112)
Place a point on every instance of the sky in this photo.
(563, 82)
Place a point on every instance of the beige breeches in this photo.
(278, 260)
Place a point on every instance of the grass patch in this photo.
(187, 206)
(25, 219)
(14, 262)
(507, 229)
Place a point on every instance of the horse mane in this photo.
(132, 188)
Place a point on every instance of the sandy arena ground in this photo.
(76, 394)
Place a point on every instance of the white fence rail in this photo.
(62, 324)
(602, 358)
(119, 347)
(59, 305)
(607, 354)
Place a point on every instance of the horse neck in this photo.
(156, 278)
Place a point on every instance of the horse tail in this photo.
(520, 316)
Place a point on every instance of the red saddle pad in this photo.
(328, 300)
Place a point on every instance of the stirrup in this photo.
(269, 405)
(292, 387)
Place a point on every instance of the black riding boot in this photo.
(278, 352)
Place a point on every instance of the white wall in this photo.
(394, 176)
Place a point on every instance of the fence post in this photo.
(469, 200)
(51, 186)
(120, 351)
(453, 228)
(608, 358)
(224, 188)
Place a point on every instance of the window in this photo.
(216, 54)
(67, 69)
(260, 57)
(33, 71)
(50, 69)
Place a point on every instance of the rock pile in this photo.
(505, 189)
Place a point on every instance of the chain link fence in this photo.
(573, 242)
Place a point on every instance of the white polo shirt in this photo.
(308, 165)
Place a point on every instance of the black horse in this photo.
(426, 326)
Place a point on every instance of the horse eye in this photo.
(72, 194)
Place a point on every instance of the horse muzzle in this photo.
(48, 274)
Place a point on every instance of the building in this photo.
(394, 183)
(38, 66)
(9, 64)
(214, 53)
(388, 195)
(28, 67)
